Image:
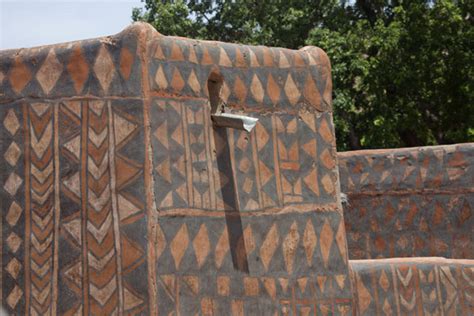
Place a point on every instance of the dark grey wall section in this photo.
(409, 202)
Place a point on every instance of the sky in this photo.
(29, 23)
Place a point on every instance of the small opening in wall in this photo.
(220, 114)
(214, 84)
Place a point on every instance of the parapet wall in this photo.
(409, 202)
(119, 196)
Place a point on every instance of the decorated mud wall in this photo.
(413, 286)
(120, 196)
(410, 202)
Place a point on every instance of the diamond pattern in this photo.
(257, 90)
(269, 246)
(12, 154)
(104, 68)
(14, 213)
(49, 72)
(13, 268)
(311, 92)
(289, 246)
(224, 59)
(193, 82)
(126, 62)
(13, 183)
(309, 241)
(291, 90)
(411, 224)
(14, 297)
(326, 240)
(273, 89)
(19, 75)
(240, 90)
(179, 245)
(11, 122)
(14, 242)
(280, 88)
(201, 245)
(78, 68)
(276, 235)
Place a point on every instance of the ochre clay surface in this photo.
(119, 196)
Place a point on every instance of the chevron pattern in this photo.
(102, 261)
(43, 208)
(418, 286)
(120, 197)
(105, 178)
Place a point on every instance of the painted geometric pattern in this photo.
(438, 167)
(90, 67)
(248, 222)
(253, 76)
(280, 263)
(283, 161)
(12, 187)
(82, 196)
(419, 286)
(410, 226)
(410, 202)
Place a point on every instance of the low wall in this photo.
(409, 202)
(413, 286)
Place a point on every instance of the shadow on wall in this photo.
(232, 214)
(228, 191)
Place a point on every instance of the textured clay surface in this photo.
(411, 202)
(413, 286)
(119, 196)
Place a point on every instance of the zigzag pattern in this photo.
(42, 208)
(101, 254)
(128, 168)
(70, 114)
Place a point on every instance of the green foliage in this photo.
(402, 70)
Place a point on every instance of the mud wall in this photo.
(410, 202)
(118, 195)
(258, 210)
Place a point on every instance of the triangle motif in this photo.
(123, 128)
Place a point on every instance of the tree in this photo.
(402, 70)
